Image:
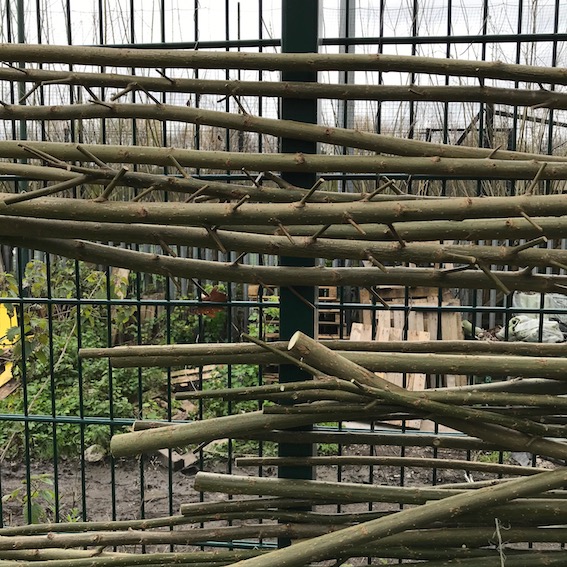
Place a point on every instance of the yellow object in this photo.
(5, 323)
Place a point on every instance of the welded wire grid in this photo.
(137, 308)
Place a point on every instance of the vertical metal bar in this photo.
(300, 23)
(23, 257)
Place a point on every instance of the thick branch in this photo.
(425, 362)
(219, 214)
(282, 276)
(137, 442)
(190, 59)
(446, 166)
(486, 229)
(302, 247)
(317, 490)
(282, 128)
(453, 347)
(521, 97)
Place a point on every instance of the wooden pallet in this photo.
(329, 319)
(188, 378)
(397, 324)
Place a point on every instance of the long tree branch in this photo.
(282, 276)
(379, 143)
(189, 59)
(276, 214)
(522, 97)
(468, 229)
(449, 167)
(64, 172)
(301, 247)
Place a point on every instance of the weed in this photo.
(39, 500)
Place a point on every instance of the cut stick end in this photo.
(296, 337)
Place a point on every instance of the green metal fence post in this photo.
(300, 23)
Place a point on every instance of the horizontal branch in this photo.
(439, 166)
(94, 558)
(469, 229)
(138, 442)
(426, 363)
(328, 389)
(131, 537)
(286, 276)
(192, 59)
(519, 97)
(275, 214)
(379, 143)
(211, 349)
(317, 490)
(358, 460)
(349, 437)
(188, 185)
(419, 253)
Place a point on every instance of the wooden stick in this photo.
(189, 59)
(334, 545)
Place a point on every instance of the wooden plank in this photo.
(367, 314)
(452, 330)
(190, 375)
(398, 321)
(416, 381)
(428, 426)
(179, 462)
(397, 378)
(416, 323)
(383, 321)
(360, 332)
(8, 388)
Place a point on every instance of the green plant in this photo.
(39, 500)
(492, 456)
(236, 376)
(46, 341)
(265, 320)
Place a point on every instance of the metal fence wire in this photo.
(59, 411)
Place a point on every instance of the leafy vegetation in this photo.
(46, 340)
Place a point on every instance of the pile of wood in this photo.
(468, 518)
(390, 238)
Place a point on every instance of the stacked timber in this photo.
(511, 415)
(83, 197)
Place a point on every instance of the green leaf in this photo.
(13, 333)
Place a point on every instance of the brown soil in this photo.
(143, 488)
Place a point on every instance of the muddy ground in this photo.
(126, 489)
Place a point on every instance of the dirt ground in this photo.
(130, 488)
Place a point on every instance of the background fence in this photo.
(58, 417)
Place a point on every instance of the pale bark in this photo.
(379, 143)
(288, 276)
(525, 97)
(274, 214)
(475, 168)
(188, 59)
(303, 247)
